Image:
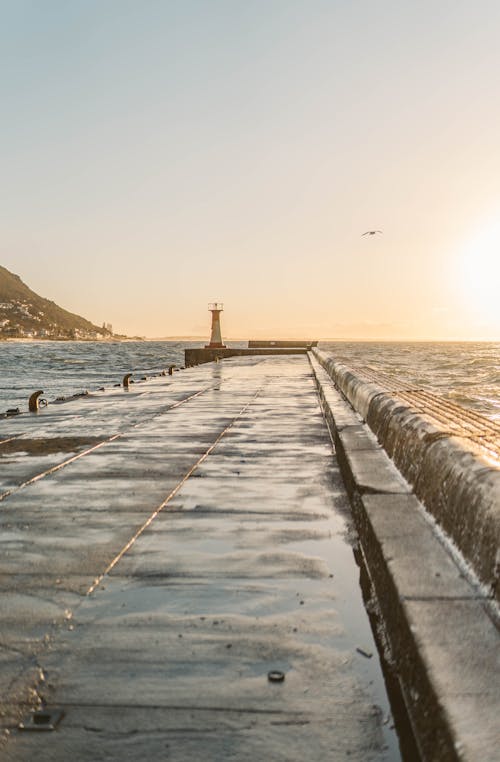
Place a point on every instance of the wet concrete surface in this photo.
(149, 586)
(440, 623)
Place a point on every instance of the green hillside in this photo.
(24, 313)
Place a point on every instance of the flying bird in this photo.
(370, 232)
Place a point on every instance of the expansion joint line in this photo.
(98, 446)
(172, 494)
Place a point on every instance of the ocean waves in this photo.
(467, 373)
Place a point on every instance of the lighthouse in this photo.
(215, 337)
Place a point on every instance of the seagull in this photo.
(370, 232)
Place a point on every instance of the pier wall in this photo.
(436, 620)
(201, 355)
(255, 343)
(449, 456)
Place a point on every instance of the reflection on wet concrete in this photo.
(406, 737)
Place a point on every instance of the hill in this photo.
(23, 313)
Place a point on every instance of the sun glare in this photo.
(480, 274)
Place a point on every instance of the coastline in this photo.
(22, 340)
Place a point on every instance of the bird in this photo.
(370, 232)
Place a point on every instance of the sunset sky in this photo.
(158, 154)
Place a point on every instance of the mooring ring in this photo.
(275, 676)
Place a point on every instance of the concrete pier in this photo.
(167, 550)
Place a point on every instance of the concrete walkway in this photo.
(191, 536)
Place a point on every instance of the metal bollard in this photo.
(34, 402)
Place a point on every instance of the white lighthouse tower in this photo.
(215, 337)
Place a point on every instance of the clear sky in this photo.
(160, 154)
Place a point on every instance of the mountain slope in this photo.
(25, 313)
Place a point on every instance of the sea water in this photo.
(63, 368)
(468, 373)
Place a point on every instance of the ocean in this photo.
(468, 373)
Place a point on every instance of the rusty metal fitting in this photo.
(35, 401)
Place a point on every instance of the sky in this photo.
(158, 155)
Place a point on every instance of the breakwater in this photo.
(205, 516)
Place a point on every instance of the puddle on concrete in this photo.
(46, 445)
(407, 742)
(357, 636)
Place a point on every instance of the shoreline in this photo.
(198, 339)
